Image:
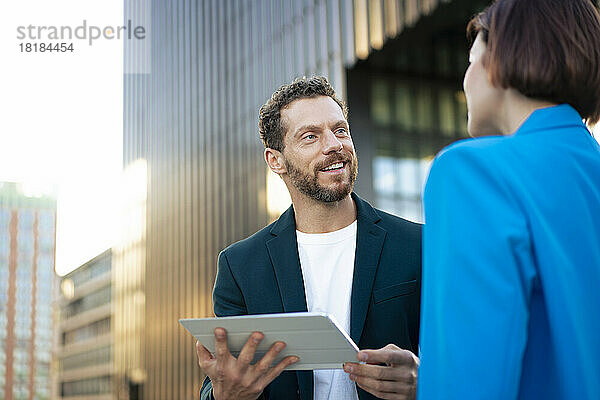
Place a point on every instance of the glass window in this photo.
(417, 78)
(380, 103)
(448, 121)
(443, 58)
(5, 216)
(25, 240)
(403, 114)
(45, 264)
(90, 271)
(398, 184)
(25, 260)
(25, 220)
(408, 176)
(46, 221)
(43, 356)
(94, 357)
(385, 175)
(4, 244)
(91, 301)
(425, 115)
(90, 331)
(46, 242)
(86, 387)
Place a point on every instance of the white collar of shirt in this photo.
(328, 237)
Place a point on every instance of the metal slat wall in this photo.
(192, 94)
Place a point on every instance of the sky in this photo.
(61, 122)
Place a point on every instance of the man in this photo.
(329, 252)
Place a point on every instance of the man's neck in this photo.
(320, 217)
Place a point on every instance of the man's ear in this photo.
(274, 160)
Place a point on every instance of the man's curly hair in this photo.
(270, 127)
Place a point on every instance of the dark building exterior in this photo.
(27, 246)
(406, 103)
(192, 93)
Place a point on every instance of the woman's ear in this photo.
(275, 161)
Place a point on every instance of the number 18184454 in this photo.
(46, 47)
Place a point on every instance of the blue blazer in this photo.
(262, 274)
(511, 273)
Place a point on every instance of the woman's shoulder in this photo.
(482, 150)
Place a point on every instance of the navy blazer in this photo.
(262, 274)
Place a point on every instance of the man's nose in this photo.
(331, 143)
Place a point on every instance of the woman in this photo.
(511, 275)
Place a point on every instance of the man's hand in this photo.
(235, 378)
(396, 379)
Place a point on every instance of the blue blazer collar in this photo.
(555, 117)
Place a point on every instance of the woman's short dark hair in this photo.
(546, 49)
(270, 127)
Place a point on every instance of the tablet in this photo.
(316, 338)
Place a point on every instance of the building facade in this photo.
(85, 351)
(27, 247)
(192, 94)
(407, 103)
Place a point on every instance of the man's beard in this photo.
(309, 185)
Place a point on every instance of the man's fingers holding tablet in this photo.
(247, 354)
(221, 347)
(274, 372)
(265, 363)
(204, 356)
(237, 378)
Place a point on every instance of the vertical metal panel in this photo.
(400, 15)
(309, 35)
(348, 32)
(205, 234)
(391, 17)
(336, 65)
(165, 294)
(10, 340)
(321, 37)
(288, 41)
(277, 28)
(234, 150)
(411, 12)
(361, 28)
(299, 54)
(190, 216)
(222, 164)
(376, 33)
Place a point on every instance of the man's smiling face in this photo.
(318, 151)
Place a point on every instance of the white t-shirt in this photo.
(327, 262)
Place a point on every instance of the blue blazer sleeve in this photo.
(477, 279)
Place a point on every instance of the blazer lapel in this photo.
(369, 243)
(283, 251)
(305, 384)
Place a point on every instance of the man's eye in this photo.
(310, 137)
(341, 131)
